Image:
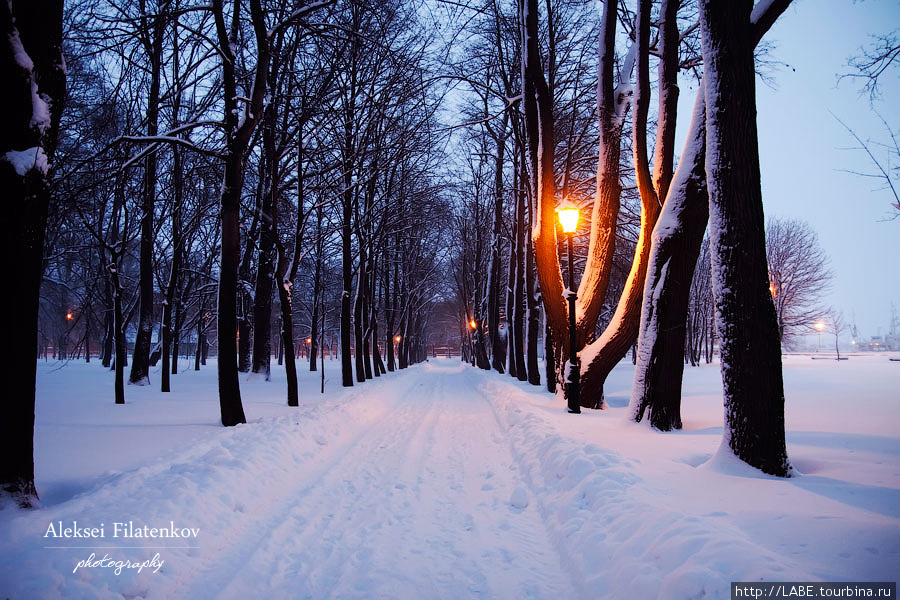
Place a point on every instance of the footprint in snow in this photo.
(519, 498)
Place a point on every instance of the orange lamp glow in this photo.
(68, 316)
(397, 339)
(568, 215)
(309, 340)
(473, 324)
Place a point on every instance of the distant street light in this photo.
(68, 316)
(568, 214)
(397, 339)
(309, 340)
(473, 324)
(820, 327)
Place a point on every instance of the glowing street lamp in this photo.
(473, 324)
(568, 214)
(309, 340)
(397, 339)
(820, 327)
(69, 316)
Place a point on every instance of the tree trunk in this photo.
(35, 81)
(676, 245)
(140, 363)
(171, 287)
(677, 240)
(748, 328)
(600, 357)
(518, 330)
(265, 269)
(230, 405)
(533, 310)
(494, 277)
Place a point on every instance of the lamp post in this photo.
(568, 219)
(820, 326)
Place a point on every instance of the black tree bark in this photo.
(745, 314)
(32, 30)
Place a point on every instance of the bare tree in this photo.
(836, 324)
(880, 56)
(799, 276)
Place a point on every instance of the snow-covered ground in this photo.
(443, 481)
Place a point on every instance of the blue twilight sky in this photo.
(802, 148)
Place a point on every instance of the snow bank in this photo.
(643, 514)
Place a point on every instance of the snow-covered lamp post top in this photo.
(568, 214)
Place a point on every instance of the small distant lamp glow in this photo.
(853, 342)
(68, 316)
(568, 215)
(772, 289)
(819, 326)
(309, 340)
(397, 339)
(473, 324)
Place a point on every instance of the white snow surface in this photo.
(444, 481)
(26, 160)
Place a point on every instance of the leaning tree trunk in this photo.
(677, 241)
(745, 314)
(34, 81)
(676, 244)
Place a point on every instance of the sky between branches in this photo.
(803, 146)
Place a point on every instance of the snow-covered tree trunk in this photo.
(539, 125)
(34, 79)
(745, 314)
(612, 103)
(676, 243)
(599, 358)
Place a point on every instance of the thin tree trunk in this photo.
(140, 363)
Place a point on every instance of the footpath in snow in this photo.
(443, 481)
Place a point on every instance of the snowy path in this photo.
(445, 481)
(417, 500)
